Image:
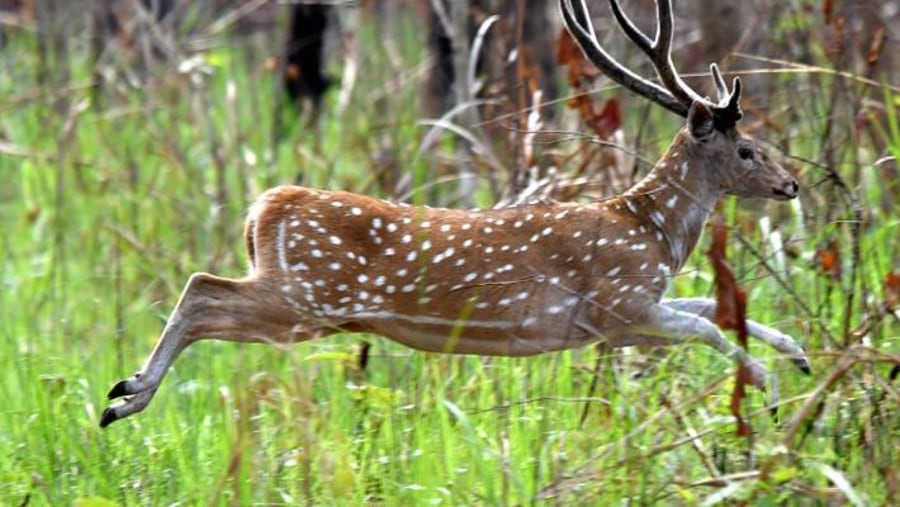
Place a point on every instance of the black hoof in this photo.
(109, 416)
(118, 390)
(803, 365)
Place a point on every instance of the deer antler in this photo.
(676, 95)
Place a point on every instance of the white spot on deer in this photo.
(460, 261)
(391, 227)
(306, 285)
(282, 256)
(561, 214)
(335, 240)
(426, 245)
(466, 226)
(295, 223)
(426, 224)
(522, 296)
(406, 238)
(614, 271)
(489, 276)
(587, 258)
(337, 204)
(482, 305)
(488, 230)
(639, 246)
(500, 221)
(376, 223)
(406, 220)
(300, 266)
(577, 234)
(529, 321)
(363, 295)
(571, 273)
(342, 287)
(424, 300)
(684, 169)
(547, 231)
(624, 288)
(334, 266)
(554, 280)
(467, 243)
(619, 241)
(488, 249)
(615, 302)
(504, 302)
(408, 288)
(390, 289)
(362, 278)
(344, 300)
(389, 251)
(402, 272)
(445, 227)
(602, 241)
(286, 288)
(316, 253)
(504, 248)
(356, 211)
(631, 232)
(554, 309)
(431, 288)
(377, 299)
(529, 216)
(672, 201)
(517, 224)
(379, 280)
(644, 266)
(411, 256)
(470, 277)
(362, 260)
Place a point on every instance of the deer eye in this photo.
(745, 153)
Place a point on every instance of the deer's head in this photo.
(742, 166)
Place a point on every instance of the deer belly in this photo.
(473, 336)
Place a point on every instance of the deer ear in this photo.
(700, 121)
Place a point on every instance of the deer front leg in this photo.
(210, 307)
(666, 325)
(706, 307)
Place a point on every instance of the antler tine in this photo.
(722, 92)
(728, 108)
(577, 20)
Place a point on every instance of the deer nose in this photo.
(792, 188)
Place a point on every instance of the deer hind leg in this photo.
(669, 326)
(212, 307)
(706, 307)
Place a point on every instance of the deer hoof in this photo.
(120, 389)
(109, 416)
(802, 364)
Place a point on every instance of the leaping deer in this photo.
(516, 281)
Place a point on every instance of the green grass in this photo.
(108, 206)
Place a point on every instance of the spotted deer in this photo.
(513, 281)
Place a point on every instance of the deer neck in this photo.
(676, 198)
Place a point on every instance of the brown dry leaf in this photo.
(892, 289)
(829, 257)
(876, 46)
(828, 11)
(731, 313)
